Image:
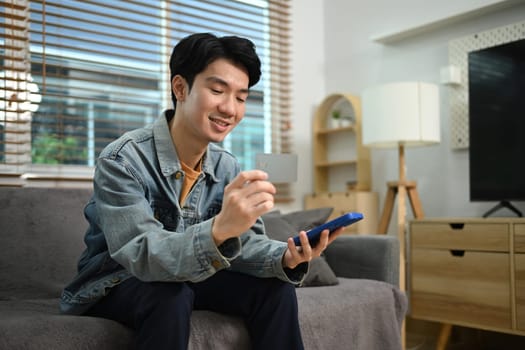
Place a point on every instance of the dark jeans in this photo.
(160, 312)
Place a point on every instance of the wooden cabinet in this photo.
(468, 272)
(519, 274)
(341, 164)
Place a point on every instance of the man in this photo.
(175, 226)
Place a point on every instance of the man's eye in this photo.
(241, 100)
(215, 91)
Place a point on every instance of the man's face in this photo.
(216, 102)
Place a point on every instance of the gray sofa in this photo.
(41, 237)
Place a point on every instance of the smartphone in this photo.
(344, 220)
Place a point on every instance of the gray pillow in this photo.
(282, 226)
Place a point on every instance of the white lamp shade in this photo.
(401, 113)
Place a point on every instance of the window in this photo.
(75, 75)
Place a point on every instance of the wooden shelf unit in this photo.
(341, 164)
(338, 147)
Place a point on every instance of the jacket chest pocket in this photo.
(170, 216)
(192, 217)
(212, 210)
(167, 214)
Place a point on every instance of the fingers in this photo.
(252, 185)
(298, 254)
(306, 248)
(245, 199)
(246, 177)
(305, 252)
(325, 240)
(252, 192)
(259, 202)
(335, 234)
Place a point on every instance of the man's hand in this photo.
(246, 198)
(295, 255)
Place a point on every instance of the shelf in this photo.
(395, 36)
(335, 163)
(335, 130)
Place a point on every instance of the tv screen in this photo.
(497, 122)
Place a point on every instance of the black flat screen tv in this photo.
(496, 91)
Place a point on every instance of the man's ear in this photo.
(179, 87)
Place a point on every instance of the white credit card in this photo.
(281, 168)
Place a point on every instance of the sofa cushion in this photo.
(356, 314)
(282, 226)
(36, 324)
(42, 229)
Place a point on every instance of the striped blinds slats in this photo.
(14, 96)
(280, 84)
(101, 68)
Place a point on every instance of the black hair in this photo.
(195, 52)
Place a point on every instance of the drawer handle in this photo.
(457, 226)
(457, 252)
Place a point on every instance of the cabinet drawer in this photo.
(473, 289)
(519, 238)
(460, 236)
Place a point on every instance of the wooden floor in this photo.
(423, 335)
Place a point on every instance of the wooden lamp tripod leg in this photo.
(405, 189)
(387, 208)
(415, 202)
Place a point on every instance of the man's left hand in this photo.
(296, 255)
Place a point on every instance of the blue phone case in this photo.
(315, 234)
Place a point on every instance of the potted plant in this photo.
(338, 120)
(335, 118)
(345, 120)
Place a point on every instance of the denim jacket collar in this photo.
(166, 152)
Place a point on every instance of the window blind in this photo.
(15, 68)
(78, 74)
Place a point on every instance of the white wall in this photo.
(333, 52)
(309, 79)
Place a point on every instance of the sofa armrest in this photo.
(365, 256)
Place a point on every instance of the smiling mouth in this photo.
(219, 122)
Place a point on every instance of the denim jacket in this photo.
(137, 227)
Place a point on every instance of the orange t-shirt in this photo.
(190, 177)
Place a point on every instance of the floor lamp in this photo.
(399, 115)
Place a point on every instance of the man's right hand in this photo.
(246, 198)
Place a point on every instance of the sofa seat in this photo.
(41, 238)
(323, 311)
